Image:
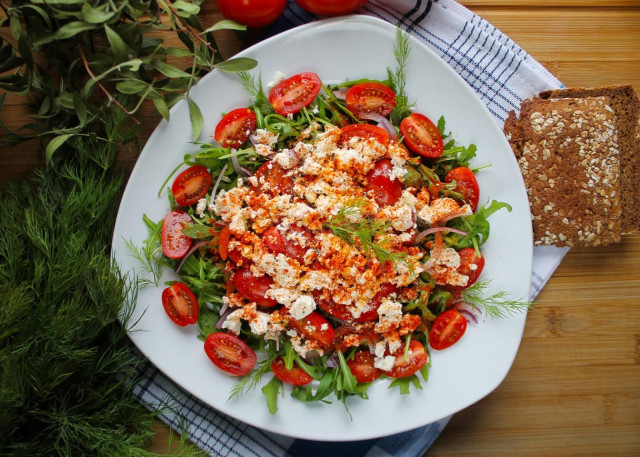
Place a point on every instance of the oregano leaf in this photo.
(196, 119)
(55, 144)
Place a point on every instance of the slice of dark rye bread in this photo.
(626, 106)
(567, 153)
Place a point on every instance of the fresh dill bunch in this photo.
(253, 87)
(398, 77)
(369, 233)
(149, 254)
(67, 367)
(498, 305)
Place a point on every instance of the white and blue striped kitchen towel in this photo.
(502, 74)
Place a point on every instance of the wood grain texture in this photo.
(574, 388)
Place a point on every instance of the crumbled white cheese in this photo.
(233, 321)
(384, 363)
(302, 307)
(276, 79)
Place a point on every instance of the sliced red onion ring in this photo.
(458, 213)
(341, 93)
(236, 166)
(382, 122)
(217, 184)
(467, 311)
(223, 318)
(333, 361)
(431, 230)
(191, 250)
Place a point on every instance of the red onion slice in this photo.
(217, 184)
(431, 230)
(223, 317)
(382, 122)
(341, 93)
(468, 311)
(191, 250)
(459, 213)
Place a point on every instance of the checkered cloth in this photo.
(502, 74)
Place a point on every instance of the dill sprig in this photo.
(367, 232)
(149, 254)
(498, 305)
(250, 381)
(398, 77)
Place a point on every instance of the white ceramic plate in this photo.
(339, 49)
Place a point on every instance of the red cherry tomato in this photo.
(180, 304)
(422, 136)
(447, 329)
(191, 185)
(363, 131)
(330, 7)
(470, 265)
(386, 191)
(366, 98)
(273, 179)
(362, 368)
(347, 336)
(254, 13)
(314, 327)
(230, 353)
(416, 358)
(342, 312)
(466, 184)
(174, 243)
(235, 127)
(294, 93)
(294, 244)
(296, 376)
(253, 288)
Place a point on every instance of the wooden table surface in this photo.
(574, 388)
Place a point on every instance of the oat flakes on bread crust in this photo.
(626, 106)
(567, 152)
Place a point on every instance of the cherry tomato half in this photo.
(470, 265)
(273, 179)
(361, 366)
(330, 7)
(314, 327)
(296, 376)
(363, 131)
(366, 98)
(422, 136)
(180, 304)
(230, 353)
(235, 127)
(294, 93)
(416, 358)
(191, 185)
(174, 243)
(466, 184)
(253, 288)
(254, 13)
(447, 329)
(295, 246)
(386, 191)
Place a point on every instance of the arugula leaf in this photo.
(271, 391)
(404, 384)
(475, 225)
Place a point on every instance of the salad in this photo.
(333, 232)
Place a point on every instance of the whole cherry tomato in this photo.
(230, 353)
(330, 7)
(254, 13)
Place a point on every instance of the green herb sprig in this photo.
(496, 306)
(73, 57)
